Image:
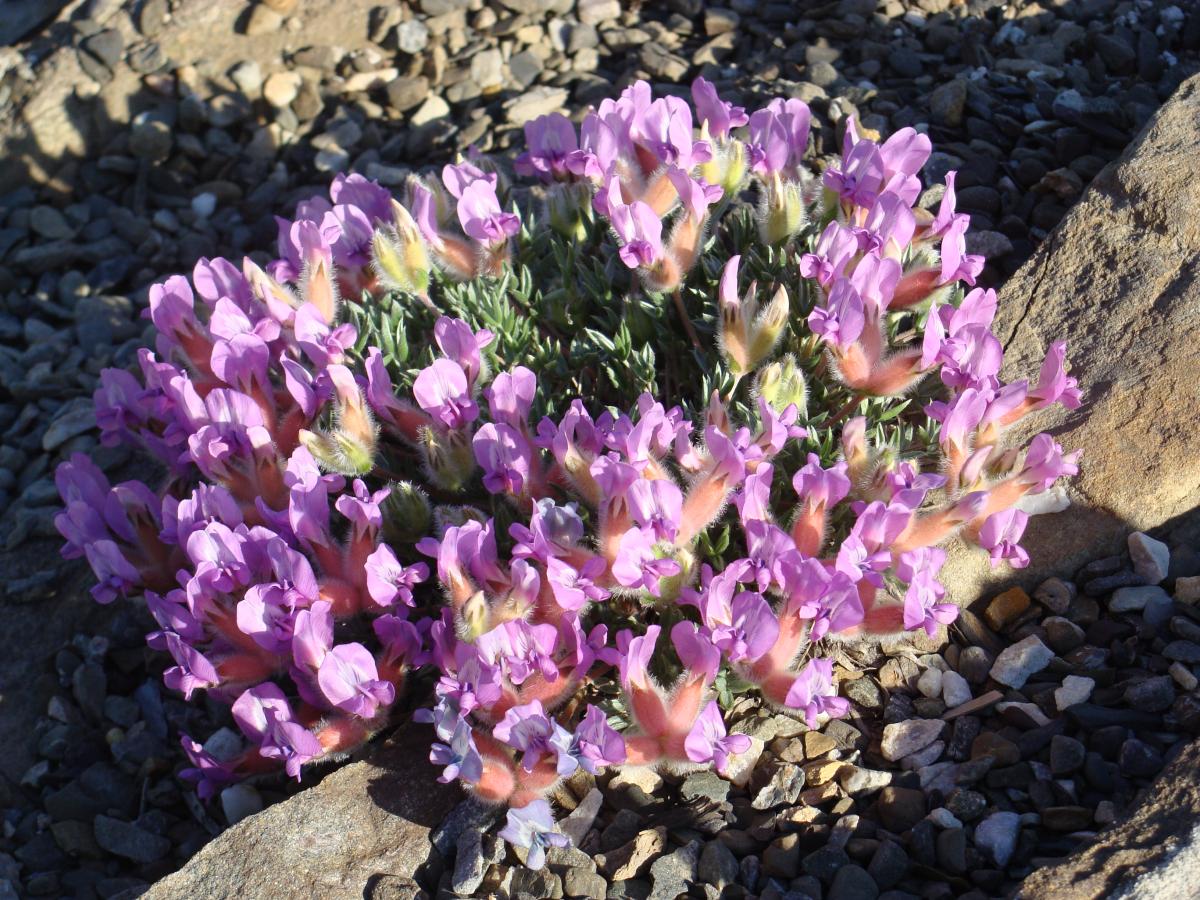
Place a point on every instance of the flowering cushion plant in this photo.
(668, 486)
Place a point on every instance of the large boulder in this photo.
(365, 823)
(1119, 280)
(1155, 852)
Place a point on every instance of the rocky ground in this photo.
(139, 137)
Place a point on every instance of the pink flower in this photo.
(708, 740)
(441, 390)
(349, 680)
(1000, 535)
(814, 692)
(388, 582)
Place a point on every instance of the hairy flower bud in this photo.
(448, 457)
(768, 328)
(567, 206)
(782, 384)
(474, 617)
(407, 514)
(781, 211)
(400, 258)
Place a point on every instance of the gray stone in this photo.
(853, 882)
(263, 20)
(671, 874)
(150, 137)
(1017, 662)
(593, 12)
(1152, 695)
(1151, 558)
(996, 836)
(240, 801)
(783, 787)
(902, 739)
(1134, 599)
(412, 36)
(77, 419)
(947, 103)
(330, 840)
(579, 821)
(717, 865)
(128, 841)
(538, 101)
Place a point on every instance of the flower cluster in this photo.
(584, 609)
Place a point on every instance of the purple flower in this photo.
(552, 530)
(665, 129)
(115, 575)
(550, 139)
(922, 603)
(839, 609)
(362, 507)
(216, 553)
(956, 263)
(821, 488)
(634, 657)
(575, 588)
(442, 391)
(1000, 536)
(312, 637)
(1045, 463)
(459, 756)
(1054, 384)
(836, 246)
(639, 229)
(264, 715)
(388, 582)
(814, 692)
(696, 194)
(779, 137)
(527, 728)
(510, 397)
(860, 177)
(481, 217)
(520, 650)
(709, 742)
(456, 339)
(192, 669)
(174, 617)
(505, 457)
(264, 614)
(594, 745)
(720, 115)
(208, 773)
(841, 321)
(349, 680)
(638, 565)
(532, 828)
(374, 200)
(752, 629)
(656, 505)
(699, 655)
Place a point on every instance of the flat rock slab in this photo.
(369, 820)
(1119, 280)
(1153, 853)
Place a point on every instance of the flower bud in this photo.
(727, 167)
(407, 514)
(448, 457)
(781, 210)
(782, 384)
(474, 617)
(400, 259)
(671, 586)
(337, 452)
(567, 204)
(768, 328)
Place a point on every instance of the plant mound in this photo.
(618, 486)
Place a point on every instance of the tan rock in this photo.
(630, 859)
(1114, 280)
(329, 841)
(1006, 608)
(1155, 852)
